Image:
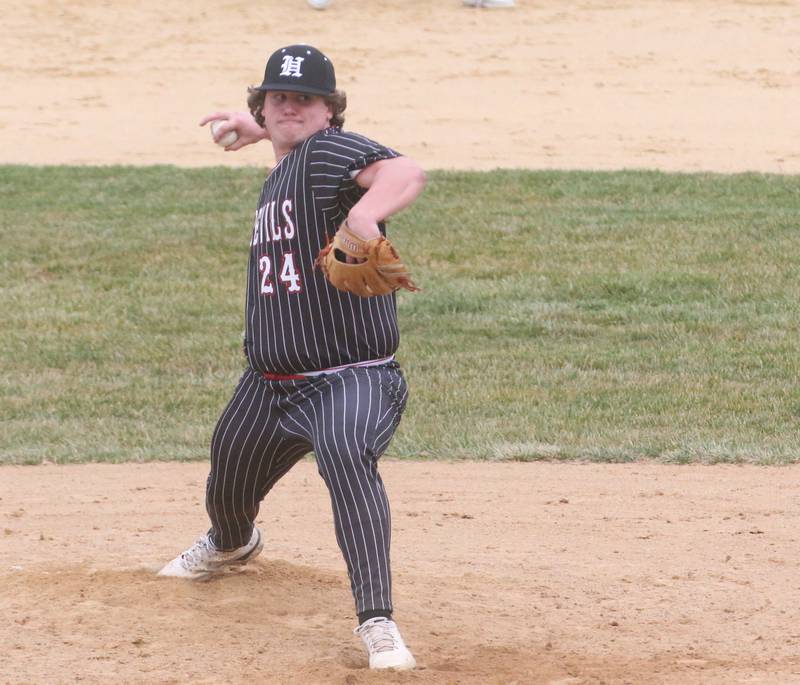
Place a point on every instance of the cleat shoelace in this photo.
(196, 552)
(381, 638)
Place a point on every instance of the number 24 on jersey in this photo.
(287, 274)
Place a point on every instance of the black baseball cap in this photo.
(300, 68)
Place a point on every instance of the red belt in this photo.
(283, 377)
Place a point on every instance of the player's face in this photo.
(291, 117)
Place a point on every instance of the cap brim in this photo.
(293, 88)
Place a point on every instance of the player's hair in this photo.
(337, 100)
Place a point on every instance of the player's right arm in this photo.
(242, 122)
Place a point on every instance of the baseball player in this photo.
(321, 374)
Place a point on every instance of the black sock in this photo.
(374, 613)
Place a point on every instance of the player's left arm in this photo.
(391, 184)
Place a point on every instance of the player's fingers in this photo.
(213, 117)
(238, 145)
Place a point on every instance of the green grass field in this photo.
(565, 315)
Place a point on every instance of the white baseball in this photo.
(319, 4)
(228, 139)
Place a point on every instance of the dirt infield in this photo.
(505, 573)
(526, 573)
(602, 84)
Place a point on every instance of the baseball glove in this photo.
(373, 267)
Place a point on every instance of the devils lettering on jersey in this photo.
(268, 226)
(295, 320)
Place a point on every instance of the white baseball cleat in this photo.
(202, 559)
(385, 645)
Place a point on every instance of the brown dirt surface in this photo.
(504, 573)
(590, 84)
(565, 574)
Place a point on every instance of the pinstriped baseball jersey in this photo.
(295, 320)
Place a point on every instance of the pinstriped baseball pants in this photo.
(347, 419)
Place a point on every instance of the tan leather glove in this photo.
(373, 267)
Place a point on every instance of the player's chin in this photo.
(293, 133)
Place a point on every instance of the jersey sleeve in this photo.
(336, 159)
